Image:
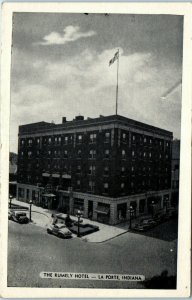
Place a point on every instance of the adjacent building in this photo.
(175, 172)
(100, 166)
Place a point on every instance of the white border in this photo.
(183, 274)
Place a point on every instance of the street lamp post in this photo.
(152, 208)
(131, 210)
(30, 204)
(79, 215)
(166, 203)
(10, 200)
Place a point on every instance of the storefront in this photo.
(103, 213)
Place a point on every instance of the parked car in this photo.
(18, 216)
(159, 217)
(59, 230)
(145, 224)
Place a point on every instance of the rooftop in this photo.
(80, 122)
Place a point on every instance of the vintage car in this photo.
(145, 224)
(18, 216)
(59, 230)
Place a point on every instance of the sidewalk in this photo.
(42, 217)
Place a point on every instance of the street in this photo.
(31, 251)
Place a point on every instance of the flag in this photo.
(116, 56)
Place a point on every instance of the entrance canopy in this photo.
(102, 210)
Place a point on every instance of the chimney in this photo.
(64, 120)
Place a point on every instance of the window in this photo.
(79, 153)
(123, 154)
(78, 183)
(122, 170)
(65, 154)
(122, 185)
(38, 141)
(49, 152)
(132, 184)
(78, 169)
(150, 141)
(59, 139)
(167, 144)
(22, 142)
(106, 171)
(92, 154)
(30, 142)
(33, 195)
(29, 154)
(92, 137)
(27, 194)
(107, 153)
(55, 139)
(37, 152)
(22, 153)
(55, 152)
(49, 140)
(66, 140)
(91, 170)
(124, 137)
(145, 140)
(107, 137)
(133, 153)
(166, 156)
(106, 187)
(91, 186)
(144, 154)
(132, 169)
(150, 154)
(160, 155)
(79, 139)
(133, 137)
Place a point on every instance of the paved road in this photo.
(32, 250)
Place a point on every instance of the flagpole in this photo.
(117, 87)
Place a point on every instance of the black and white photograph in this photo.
(94, 150)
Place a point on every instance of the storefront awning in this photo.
(48, 195)
(102, 210)
(46, 174)
(66, 176)
(55, 175)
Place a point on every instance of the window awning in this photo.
(55, 175)
(48, 195)
(66, 176)
(102, 210)
(46, 174)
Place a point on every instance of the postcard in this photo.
(96, 161)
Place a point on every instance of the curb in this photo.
(107, 239)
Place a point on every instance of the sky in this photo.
(60, 67)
